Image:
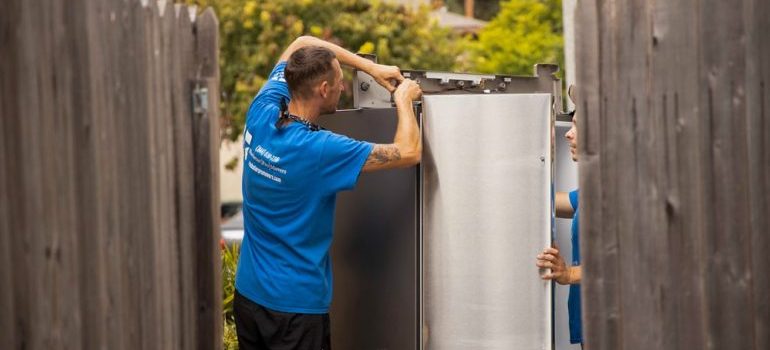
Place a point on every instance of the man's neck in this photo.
(304, 110)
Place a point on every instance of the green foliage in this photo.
(253, 34)
(482, 9)
(229, 264)
(230, 337)
(525, 32)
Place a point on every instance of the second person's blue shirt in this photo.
(573, 302)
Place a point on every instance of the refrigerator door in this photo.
(486, 213)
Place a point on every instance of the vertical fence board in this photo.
(140, 310)
(90, 184)
(675, 102)
(115, 208)
(68, 86)
(169, 230)
(726, 244)
(206, 158)
(183, 54)
(588, 106)
(36, 301)
(9, 34)
(148, 166)
(156, 92)
(597, 53)
(639, 190)
(7, 324)
(757, 14)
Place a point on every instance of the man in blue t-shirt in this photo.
(293, 170)
(566, 206)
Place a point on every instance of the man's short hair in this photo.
(306, 67)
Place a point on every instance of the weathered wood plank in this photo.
(137, 250)
(113, 148)
(588, 57)
(91, 166)
(147, 171)
(34, 293)
(7, 324)
(158, 159)
(676, 105)
(726, 250)
(168, 230)
(183, 72)
(599, 241)
(757, 19)
(639, 191)
(68, 86)
(206, 157)
(9, 111)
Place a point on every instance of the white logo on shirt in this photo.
(262, 157)
(278, 77)
(247, 137)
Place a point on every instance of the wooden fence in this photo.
(675, 173)
(109, 199)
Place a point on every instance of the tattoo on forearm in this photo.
(383, 154)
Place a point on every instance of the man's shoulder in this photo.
(339, 142)
(574, 199)
(331, 136)
(261, 112)
(278, 74)
(275, 91)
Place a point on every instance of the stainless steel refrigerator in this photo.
(441, 256)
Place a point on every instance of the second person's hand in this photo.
(550, 258)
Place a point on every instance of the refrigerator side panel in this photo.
(486, 206)
(374, 252)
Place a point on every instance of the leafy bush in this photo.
(229, 265)
(523, 33)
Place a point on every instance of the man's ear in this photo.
(323, 88)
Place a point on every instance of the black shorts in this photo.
(264, 329)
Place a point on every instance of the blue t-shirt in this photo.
(290, 180)
(573, 302)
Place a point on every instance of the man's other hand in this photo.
(409, 90)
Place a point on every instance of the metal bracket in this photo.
(200, 99)
(461, 78)
(367, 93)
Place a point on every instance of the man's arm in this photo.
(381, 73)
(406, 149)
(563, 206)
